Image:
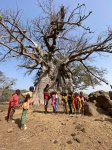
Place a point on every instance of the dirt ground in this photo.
(55, 131)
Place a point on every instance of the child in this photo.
(82, 101)
(31, 90)
(53, 98)
(25, 106)
(77, 105)
(13, 103)
(69, 97)
(65, 104)
(57, 100)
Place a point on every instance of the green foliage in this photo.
(7, 94)
(82, 79)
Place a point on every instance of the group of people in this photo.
(72, 102)
(14, 103)
(52, 96)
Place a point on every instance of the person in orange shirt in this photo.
(77, 105)
(83, 101)
(31, 90)
(25, 106)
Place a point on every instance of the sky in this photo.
(98, 21)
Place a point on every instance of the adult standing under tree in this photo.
(46, 97)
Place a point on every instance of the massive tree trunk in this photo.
(38, 97)
(54, 79)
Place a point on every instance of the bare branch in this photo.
(92, 73)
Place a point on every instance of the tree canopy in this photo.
(56, 43)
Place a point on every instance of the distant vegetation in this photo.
(6, 95)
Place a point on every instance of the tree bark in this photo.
(38, 97)
(49, 77)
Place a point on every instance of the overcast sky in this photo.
(99, 20)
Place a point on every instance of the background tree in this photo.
(5, 83)
(84, 77)
(56, 44)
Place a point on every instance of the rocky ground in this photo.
(55, 131)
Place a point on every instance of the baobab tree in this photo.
(51, 45)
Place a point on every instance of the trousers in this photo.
(23, 117)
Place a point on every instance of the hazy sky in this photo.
(99, 20)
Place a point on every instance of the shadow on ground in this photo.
(49, 112)
(108, 119)
(18, 122)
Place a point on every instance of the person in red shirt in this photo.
(13, 103)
